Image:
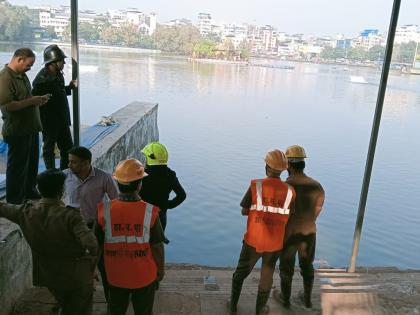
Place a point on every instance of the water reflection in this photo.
(219, 120)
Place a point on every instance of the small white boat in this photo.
(358, 79)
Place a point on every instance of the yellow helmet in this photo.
(156, 154)
(128, 171)
(276, 160)
(295, 153)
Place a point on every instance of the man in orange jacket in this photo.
(132, 239)
(267, 203)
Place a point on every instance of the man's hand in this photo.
(41, 100)
(73, 84)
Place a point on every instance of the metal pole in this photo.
(374, 134)
(75, 70)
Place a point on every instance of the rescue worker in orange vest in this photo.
(132, 239)
(301, 229)
(267, 203)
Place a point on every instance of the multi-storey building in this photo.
(263, 39)
(57, 18)
(342, 42)
(234, 32)
(147, 23)
(407, 33)
(368, 38)
(204, 23)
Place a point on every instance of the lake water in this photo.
(218, 121)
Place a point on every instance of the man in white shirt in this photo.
(85, 188)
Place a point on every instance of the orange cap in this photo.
(128, 171)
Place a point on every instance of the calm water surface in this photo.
(218, 121)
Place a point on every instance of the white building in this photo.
(204, 23)
(178, 22)
(369, 38)
(57, 18)
(263, 39)
(406, 34)
(146, 23)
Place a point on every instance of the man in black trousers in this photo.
(22, 124)
(55, 115)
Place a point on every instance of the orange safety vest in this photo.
(128, 257)
(268, 215)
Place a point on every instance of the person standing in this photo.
(21, 126)
(132, 239)
(85, 187)
(161, 181)
(63, 249)
(300, 235)
(267, 203)
(55, 116)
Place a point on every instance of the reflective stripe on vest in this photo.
(260, 207)
(124, 238)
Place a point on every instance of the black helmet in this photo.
(53, 53)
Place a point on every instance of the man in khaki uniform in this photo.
(63, 248)
(21, 126)
(300, 236)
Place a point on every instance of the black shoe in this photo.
(306, 301)
(34, 194)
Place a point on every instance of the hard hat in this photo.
(53, 53)
(128, 171)
(295, 153)
(156, 154)
(276, 160)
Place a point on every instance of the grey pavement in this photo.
(197, 290)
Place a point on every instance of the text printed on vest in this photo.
(109, 227)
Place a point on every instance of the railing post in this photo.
(374, 134)
(75, 70)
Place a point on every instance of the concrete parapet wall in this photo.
(137, 127)
(15, 265)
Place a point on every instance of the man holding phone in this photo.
(55, 115)
(20, 111)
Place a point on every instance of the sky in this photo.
(317, 17)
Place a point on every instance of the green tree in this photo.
(404, 53)
(15, 24)
(245, 48)
(89, 32)
(357, 54)
(111, 35)
(177, 39)
(127, 35)
(328, 53)
(376, 53)
(204, 49)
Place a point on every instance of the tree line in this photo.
(403, 53)
(17, 24)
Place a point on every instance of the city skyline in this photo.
(348, 17)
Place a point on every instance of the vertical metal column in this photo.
(75, 70)
(374, 134)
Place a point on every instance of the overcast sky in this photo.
(318, 17)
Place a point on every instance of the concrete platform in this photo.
(198, 290)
